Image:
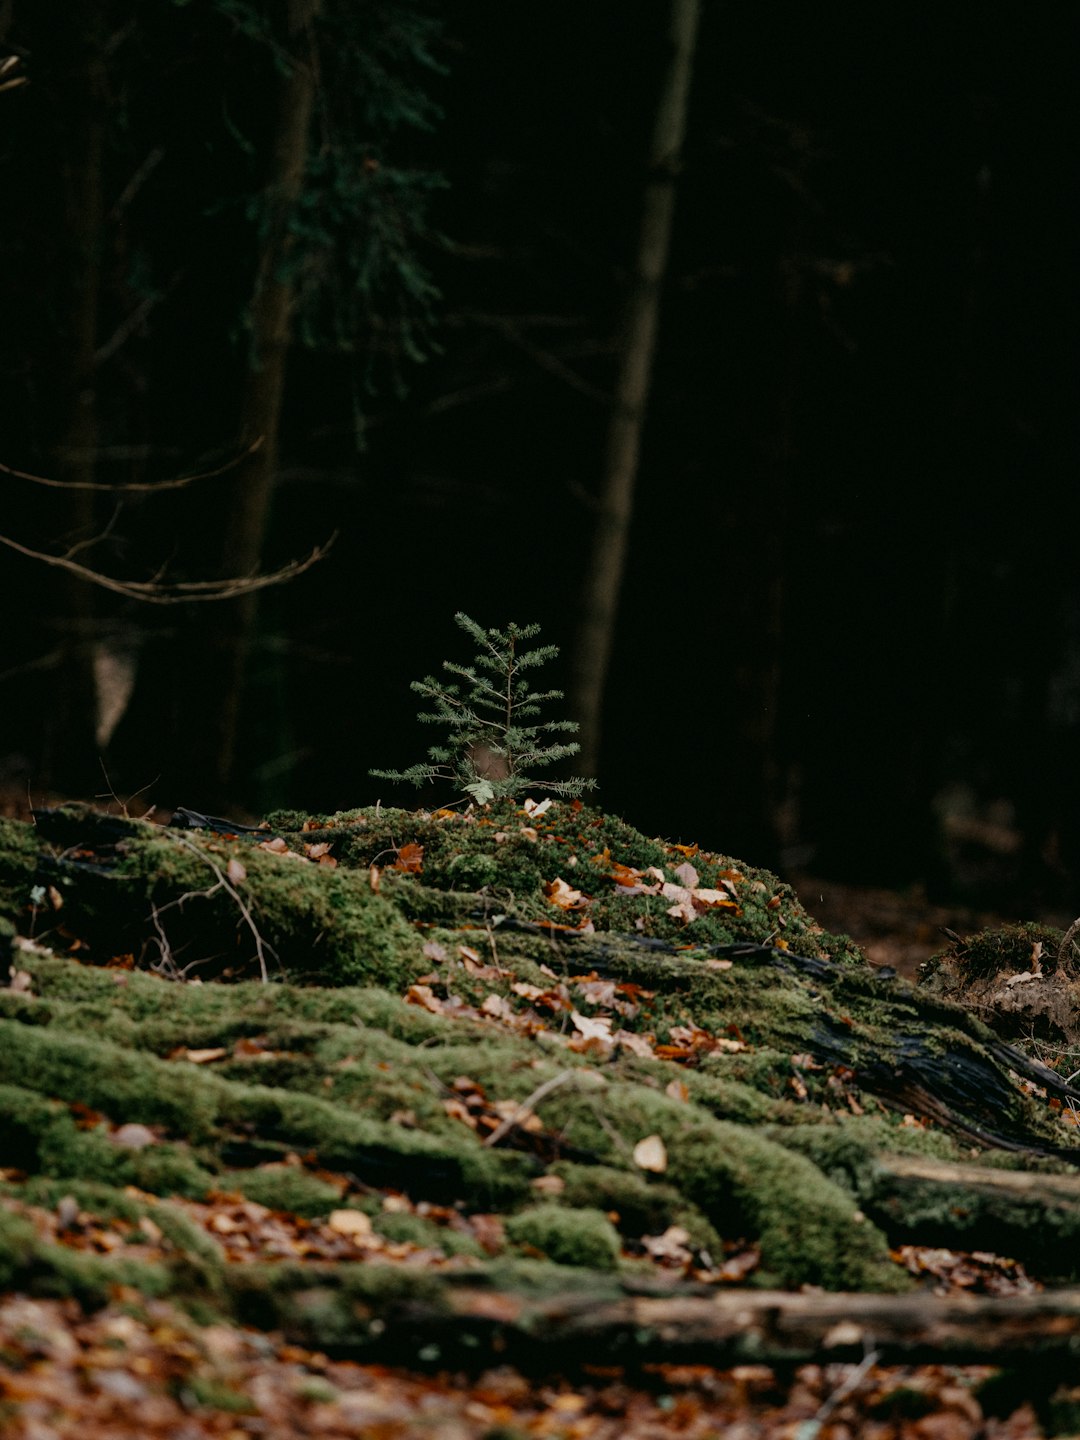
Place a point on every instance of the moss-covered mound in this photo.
(514, 1047)
(1017, 978)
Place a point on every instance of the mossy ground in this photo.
(421, 989)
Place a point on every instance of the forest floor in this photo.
(140, 1365)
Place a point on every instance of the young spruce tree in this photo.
(493, 714)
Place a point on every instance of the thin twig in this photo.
(527, 1107)
(809, 1429)
(136, 487)
(155, 592)
(262, 947)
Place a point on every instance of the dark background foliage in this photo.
(850, 627)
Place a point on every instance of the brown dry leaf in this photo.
(737, 1267)
(677, 1090)
(713, 899)
(458, 1110)
(527, 991)
(548, 1184)
(636, 1044)
(468, 953)
(410, 858)
(651, 1154)
(596, 1028)
(424, 996)
(519, 1115)
(205, 1057)
(235, 870)
(487, 1231)
(671, 1246)
(21, 982)
(56, 900)
(564, 895)
(598, 992)
(498, 1007)
(686, 875)
(434, 951)
(373, 877)
(350, 1222)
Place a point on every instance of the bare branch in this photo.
(156, 592)
(137, 487)
(262, 947)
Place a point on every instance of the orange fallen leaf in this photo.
(410, 858)
(424, 996)
(564, 895)
(204, 1057)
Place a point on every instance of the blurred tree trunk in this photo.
(270, 315)
(607, 562)
(72, 762)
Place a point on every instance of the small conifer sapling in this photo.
(494, 739)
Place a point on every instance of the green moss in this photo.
(286, 1188)
(18, 1246)
(584, 1238)
(416, 1230)
(747, 1186)
(216, 1395)
(1008, 948)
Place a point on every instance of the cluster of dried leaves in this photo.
(143, 1368)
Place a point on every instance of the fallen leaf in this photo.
(598, 1028)
(350, 1222)
(564, 895)
(672, 1245)
(133, 1136)
(410, 859)
(534, 808)
(424, 996)
(21, 982)
(235, 870)
(434, 951)
(498, 1007)
(204, 1057)
(636, 1044)
(677, 1090)
(651, 1154)
(548, 1184)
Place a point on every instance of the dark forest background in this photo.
(397, 241)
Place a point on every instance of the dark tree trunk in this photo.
(72, 761)
(607, 562)
(247, 518)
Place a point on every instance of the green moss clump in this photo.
(416, 1230)
(584, 1238)
(1008, 948)
(286, 1188)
